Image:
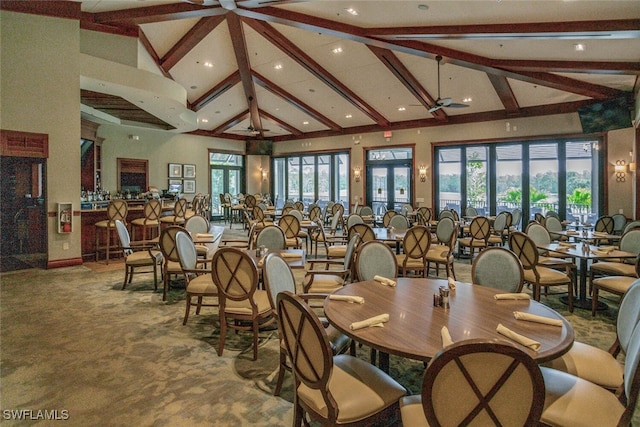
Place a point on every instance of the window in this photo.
(389, 179)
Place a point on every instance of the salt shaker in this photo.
(444, 297)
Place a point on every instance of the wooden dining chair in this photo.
(415, 244)
(616, 285)
(442, 253)
(478, 239)
(271, 237)
(117, 210)
(364, 230)
(536, 274)
(366, 211)
(278, 277)
(332, 390)
(498, 268)
(150, 221)
(600, 366)
(291, 228)
(242, 306)
(386, 219)
(572, 401)
(336, 272)
(604, 224)
(137, 256)
(171, 266)
(178, 217)
(477, 382)
(375, 258)
(629, 242)
(399, 222)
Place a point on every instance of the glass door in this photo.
(225, 172)
(388, 187)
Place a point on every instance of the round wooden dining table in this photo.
(414, 326)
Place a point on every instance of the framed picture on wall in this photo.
(189, 171)
(175, 170)
(189, 186)
(175, 185)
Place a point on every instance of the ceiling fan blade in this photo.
(445, 102)
(456, 105)
(435, 108)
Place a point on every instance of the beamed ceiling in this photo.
(296, 69)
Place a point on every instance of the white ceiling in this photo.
(317, 28)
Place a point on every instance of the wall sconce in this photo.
(265, 174)
(356, 173)
(632, 164)
(621, 170)
(422, 170)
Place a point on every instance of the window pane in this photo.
(449, 178)
(308, 180)
(324, 176)
(579, 181)
(342, 180)
(279, 175)
(294, 178)
(477, 178)
(543, 191)
(508, 177)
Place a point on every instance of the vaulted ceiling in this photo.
(293, 69)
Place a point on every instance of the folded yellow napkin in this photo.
(520, 339)
(384, 281)
(372, 321)
(512, 296)
(347, 298)
(599, 233)
(607, 248)
(567, 244)
(446, 337)
(565, 222)
(291, 254)
(586, 224)
(452, 283)
(572, 233)
(204, 235)
(535, 318)
(599, 252)
(305, 222)
(562, 248)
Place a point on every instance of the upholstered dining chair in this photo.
(386, 218)
(278, 277)
(171, 266)
(423, 216)
(291, 228)
(364, 230)
(630, 226)
(271, 237)
(299, 206)
(629, 242)
(334, 244)
(315, 215)
(302, 234)
(179, 214)
(595, 364)
(498, 268)
(619, 222)
(445, 213)
(198, 280)
(617, 285)
(553, 225)
(471, 212)
(477, 382)
(442, 252)
(137, 256)
(333, 390)
(354, 219)
(479, 231)
(374, 258)
(197, 224)
(328, 280)
(150, 221)
(604, 224)
(536, 274)
(242, 306)
(573, 401)
(399, 222)
(497, 232)
(366, 211)
(415, 245)
(117, 210)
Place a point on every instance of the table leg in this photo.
(581, 300)
(383, 362)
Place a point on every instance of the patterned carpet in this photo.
(72, 340)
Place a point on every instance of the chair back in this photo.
(631, 378)
(630, 226)
(405, 209)
(250, 201)
(290, 226)
(206, 204)
(152, 210)
(315, 214)
(366, 211)
(386, 219)
(180, 208)
(475, 382)
(539, 217)
(117, 210)
(235, 274)
(271, 237)
(354, 219)
(628, 315)
(498, 268)
(552, 224)
(516, 217)
(364, 230)
(552, 214)
(619, 221)
(604, 224)
(335, 219)
(297, 214)
(500, 223)
(308, 348)
(416, 242)
(630, 241)
(445, 230)
(197, 224)
(425, 213)
(525, 249)
(278, 277)
(167, 242)
(456, 216)
(480, 228)
(538, 233)
(375, 258)
(399, 221)
(299, 206)
(352, 247)
(445, 213)
(186, 251)
(123, 235)
(258, 213)
(471, 211)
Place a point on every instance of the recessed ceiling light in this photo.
(352, 11)
(305, 123)
(337, 50)
(467, 100)
(204, 120)
(401, 108)
(208, 64)
(579, 47)
(278, 66)
(348, 116)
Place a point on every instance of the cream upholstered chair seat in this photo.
(142, 258)
(410, 263)
(547, 276)
(336, 251)
(135, 257)
(325, 281)
(437, 253)
(260, 298)
(322, 283)
(615, 284)
(202, 284)
(614, 268)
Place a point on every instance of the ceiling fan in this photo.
(443, 102)
(251, 130)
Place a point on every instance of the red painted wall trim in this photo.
(59, 263)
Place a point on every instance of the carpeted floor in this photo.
(71, 340)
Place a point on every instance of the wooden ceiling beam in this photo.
(226, 84)
(194, 36)
(152, 52)
(231, 122)
(296, 102)
(505, 93)
(397, 68)
(427, 50)
(588, 67)
(582, 30)
(284, 125)
(304, 60)
(161, 13)
(244, 66)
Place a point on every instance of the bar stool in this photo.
(116, 210)
(179, 212)
(151, 220)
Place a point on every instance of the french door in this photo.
(224, 179)
(389, 186)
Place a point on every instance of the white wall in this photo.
(621, 193)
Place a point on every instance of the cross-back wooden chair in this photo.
(443, 252)
(534, 273)
(364, 230)
(415, 244)
(476, 382)
(171, 266)
(179, 214)
(137, 256)
(315, 215)
(386, 219)
(151, 220)
(242, 306)
(290, 225)
(604, 224)
(117, 210)
(479, 232)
